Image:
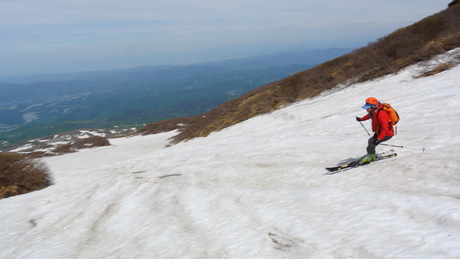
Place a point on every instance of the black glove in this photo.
(376, 142)
(358, 119)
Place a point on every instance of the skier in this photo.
(380, 125)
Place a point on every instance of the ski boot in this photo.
(368, 158)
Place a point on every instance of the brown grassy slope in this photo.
(19, 175)
(454, 2)
(421, 41)
(169, 125)
(91, 142)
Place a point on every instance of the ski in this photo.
(356, 163)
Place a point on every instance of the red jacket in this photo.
(380, 123)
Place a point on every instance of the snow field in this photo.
(259, 189)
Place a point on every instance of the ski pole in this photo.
(391, 145)
(365, 128)
(423, 149)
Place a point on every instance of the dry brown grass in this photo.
(169, 125)
(442, 67)
(454, 2)
(20, 175)
(421, 41)
(95, 141)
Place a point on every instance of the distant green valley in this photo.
(37, 106)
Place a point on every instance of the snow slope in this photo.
(259, 189)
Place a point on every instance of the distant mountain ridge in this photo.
(307, 57)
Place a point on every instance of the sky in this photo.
(51, 36)
(259, 189)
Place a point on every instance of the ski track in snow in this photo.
(259, 189)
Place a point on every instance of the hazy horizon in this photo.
(59, 37)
